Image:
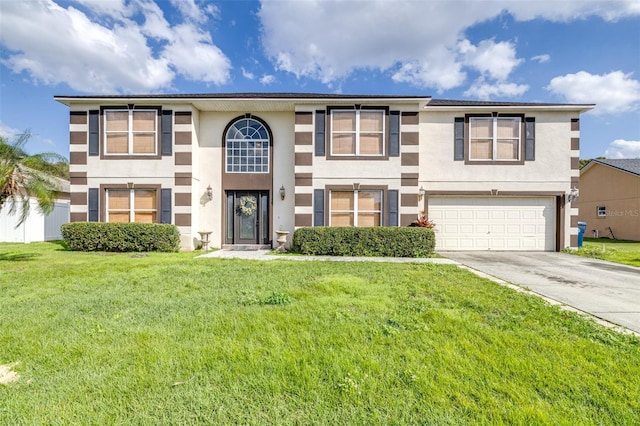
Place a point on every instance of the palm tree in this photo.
(24, 177)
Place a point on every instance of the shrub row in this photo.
(376, 241)
(121, 237)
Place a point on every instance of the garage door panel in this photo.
(493, 223)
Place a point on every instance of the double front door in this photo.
(247, 217)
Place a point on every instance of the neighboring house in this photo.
(492, 175)
(610, 198)
(38, 226)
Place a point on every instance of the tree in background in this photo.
(24, 177)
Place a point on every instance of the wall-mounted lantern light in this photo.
(282, 192)
(573, 194)
(210, 192)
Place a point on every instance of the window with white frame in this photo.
(602, 211)
(355, 208)
(131, 205)
(130, 132)
(247, 147)
(495, 138)
(357, 132)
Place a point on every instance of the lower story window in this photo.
(355, 208)
(131, 205)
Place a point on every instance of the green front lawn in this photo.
(103, 338)
(619, 251)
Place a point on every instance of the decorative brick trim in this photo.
(303, 159)
(409, 179)
(78, 198)
(78, 138)
(183, 117)
(304, 117)
(575, 143)
(78, 216)
(182, 219)
(408, 200)
(78, 117)
(183, 138)
(304, 200)
(575, 124)
(410, 118)
(183, 179)
(182, 158)
(575, 163)
(406, 219)
(409, 138)
(183, 199)
(304, 138)
(78, 178)
(410, 159)
(303, 179)
(574, 241)
(575, 181)
(77, 158)
(303, 220)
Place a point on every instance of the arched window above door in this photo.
(247, 147)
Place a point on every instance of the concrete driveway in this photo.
(606, 290)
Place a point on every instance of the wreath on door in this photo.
(247, 205)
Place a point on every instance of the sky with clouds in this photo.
(573, 51)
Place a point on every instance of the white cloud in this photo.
(102, 48)
(612, 93)
(418, 42)
(9, 132)
(189, 9)
(267, 79)
(541, 59)
(621, 148)
(496, 60)
(247, 74)
(483, 90)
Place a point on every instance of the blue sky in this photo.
(573, 51)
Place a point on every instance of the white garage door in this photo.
(494, 223)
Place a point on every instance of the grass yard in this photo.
(619, 251)
(101, 339)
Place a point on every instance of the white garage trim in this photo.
(494, 223)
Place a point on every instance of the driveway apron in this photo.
(606, 290)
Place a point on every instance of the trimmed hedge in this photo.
(375, 241)
(121, 237)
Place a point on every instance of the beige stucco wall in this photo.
(210, 161)
(550, 173)
(616, 190)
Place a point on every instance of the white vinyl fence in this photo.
(37, 227)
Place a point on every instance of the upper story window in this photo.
(495, 138)
(357, 132)
(131, 205)
(131, 132)
(355, 208)
(247, 147)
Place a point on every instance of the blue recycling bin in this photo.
(582, 228)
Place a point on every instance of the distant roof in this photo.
(630, 165)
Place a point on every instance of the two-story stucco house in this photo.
(491, 175)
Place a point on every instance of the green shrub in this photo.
(376, 241)
(121, 237)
